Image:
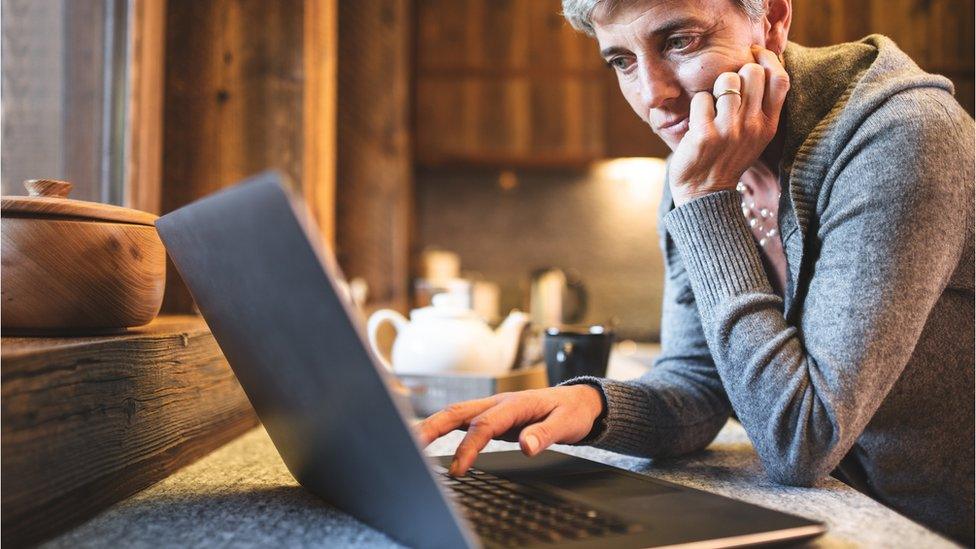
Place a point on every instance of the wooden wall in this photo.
(250, 86)
(374, 183)
(144, 118)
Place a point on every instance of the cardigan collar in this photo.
(821, 82)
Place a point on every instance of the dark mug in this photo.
(573, 351)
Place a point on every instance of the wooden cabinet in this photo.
(509, 82)
(937, 34)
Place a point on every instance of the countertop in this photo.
(243, 496)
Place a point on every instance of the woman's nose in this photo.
(658, 85)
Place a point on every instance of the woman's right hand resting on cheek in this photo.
(535, 418)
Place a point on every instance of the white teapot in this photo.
(447, 337)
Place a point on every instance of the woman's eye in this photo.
(679, 42)
(619, 63)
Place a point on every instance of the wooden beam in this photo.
(320, 58)
(374, 182)
(250, 86)
(144, 123)
(89, 421)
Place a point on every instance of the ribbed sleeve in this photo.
(658, 415)
(626, 421)
(717, 248)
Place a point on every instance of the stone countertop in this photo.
(243, 496)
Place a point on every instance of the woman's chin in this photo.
(672, 139)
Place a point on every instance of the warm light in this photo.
(627, 347)
(507, 180)
(643, 177)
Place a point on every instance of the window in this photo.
(65, 97)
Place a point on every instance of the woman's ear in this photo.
(779, 14)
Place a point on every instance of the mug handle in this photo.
(376, 320)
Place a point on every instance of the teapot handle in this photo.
(373, 326)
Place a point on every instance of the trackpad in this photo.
(609, 484)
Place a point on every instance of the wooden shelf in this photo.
(89, 421)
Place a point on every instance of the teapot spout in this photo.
(508, 337)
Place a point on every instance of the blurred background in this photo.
(476, 146)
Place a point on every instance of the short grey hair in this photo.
(579, 13)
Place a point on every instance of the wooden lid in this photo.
(48, 198)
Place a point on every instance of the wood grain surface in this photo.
(320, 45)
(89, 421)
(72, 275)
(236, 103)
(144, 123)
(375, 180)
(45, 206)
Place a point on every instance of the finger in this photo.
(727, 104)
(777, 81)
(450, 418)
(491, 424)
(511, 435)
(753, 88)
(701, 113)
(558, 427)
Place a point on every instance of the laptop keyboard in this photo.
(512, 514)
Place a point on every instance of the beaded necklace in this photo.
(757, 218)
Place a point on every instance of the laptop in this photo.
(270, 292)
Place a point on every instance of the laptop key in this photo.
(511, 514)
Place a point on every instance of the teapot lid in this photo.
(445, 305)
(49, 198)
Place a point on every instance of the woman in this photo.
(818, 235)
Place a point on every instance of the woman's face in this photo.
(665, 51)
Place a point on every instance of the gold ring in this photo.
(728, 91)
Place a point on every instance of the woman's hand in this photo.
(726, 135)
(544, 417)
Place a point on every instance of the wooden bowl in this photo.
(75, 267)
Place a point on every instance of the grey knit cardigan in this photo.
(864, 369)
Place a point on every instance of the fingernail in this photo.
(532, 443)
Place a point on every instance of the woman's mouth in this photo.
(675, 127)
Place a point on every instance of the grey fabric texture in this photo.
(865, 366)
